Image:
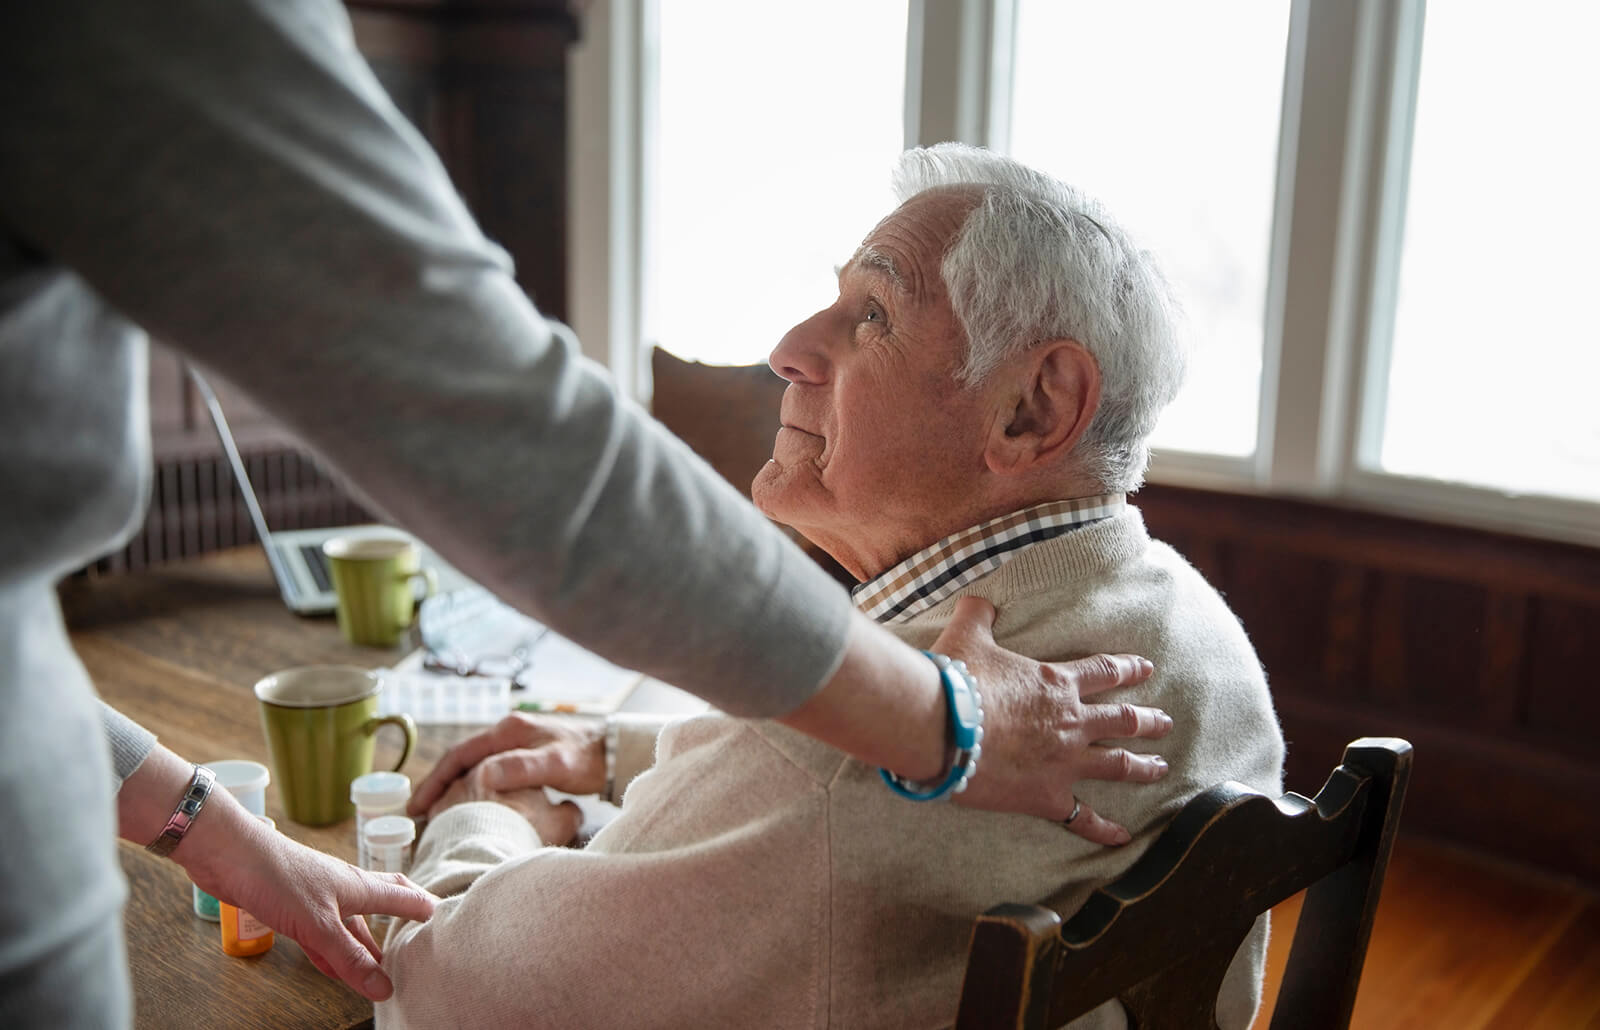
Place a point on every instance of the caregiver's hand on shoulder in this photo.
(522, 751)
(1040, 737)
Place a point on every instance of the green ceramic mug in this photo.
(373, 578)
(320, 721)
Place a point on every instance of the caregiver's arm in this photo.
(298, 891)
(1039, 736)
(232, 177)
(1035, 751)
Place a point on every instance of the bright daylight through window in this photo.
(777, 127)
(1458, 361)
(1495, 357)
(1169, 112)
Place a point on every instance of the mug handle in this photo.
(407, 727)
(430, 586)
(430, 583)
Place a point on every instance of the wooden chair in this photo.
(1161, 936)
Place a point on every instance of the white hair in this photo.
(1036, 260)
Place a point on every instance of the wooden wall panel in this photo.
(1290, 634)
(1348, 632)
(1498, 794)
(1386, 637)
(1563, 676)
(1504, 673)
(1482, 649)
(1442, 626)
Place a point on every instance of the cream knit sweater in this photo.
(758, 878)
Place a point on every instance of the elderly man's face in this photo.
(879, 444)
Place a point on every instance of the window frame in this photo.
(1349, 104)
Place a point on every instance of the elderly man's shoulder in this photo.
(1112, 588)
(1177, 584)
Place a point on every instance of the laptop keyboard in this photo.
(317, 565)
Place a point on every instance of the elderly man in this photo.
(964, 420)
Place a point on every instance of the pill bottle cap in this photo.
(388, 831)
(380, 789)
(240, 776)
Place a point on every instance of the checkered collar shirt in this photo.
(938, 571)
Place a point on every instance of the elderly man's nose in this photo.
(795, 358)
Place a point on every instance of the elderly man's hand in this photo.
(555, 824)
(523, 751)
(1042, 742)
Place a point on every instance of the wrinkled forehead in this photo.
(908, 246)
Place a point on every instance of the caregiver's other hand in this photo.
(316, 899)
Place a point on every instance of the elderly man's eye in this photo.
(873, 313)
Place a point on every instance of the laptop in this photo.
(295, 556)
(468, 635)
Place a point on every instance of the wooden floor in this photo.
(1463, 943)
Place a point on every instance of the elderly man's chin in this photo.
(777, 488)
(792, 492)
(792, 473)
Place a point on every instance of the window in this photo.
(1168, 112)
(1381, 215)
(1495, 357)
(776, 130)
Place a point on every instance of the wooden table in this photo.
(178, 649)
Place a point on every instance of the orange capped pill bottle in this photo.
(242, 933)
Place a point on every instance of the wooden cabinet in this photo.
(486, 82)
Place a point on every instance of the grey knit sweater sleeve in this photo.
(130, 743)
(231, 176)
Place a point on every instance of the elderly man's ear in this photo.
(1051, 395)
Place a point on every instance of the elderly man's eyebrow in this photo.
(873, 259)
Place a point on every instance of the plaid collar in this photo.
(938, 571)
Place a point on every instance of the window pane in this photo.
(777, 129)
(1169, 112)
(1495, 355)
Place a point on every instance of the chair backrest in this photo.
(1160, 937)
(727, 414)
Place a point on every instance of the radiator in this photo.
(195, 507)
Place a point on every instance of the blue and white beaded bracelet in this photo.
(966, 721)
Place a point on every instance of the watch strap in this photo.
(613, 735)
